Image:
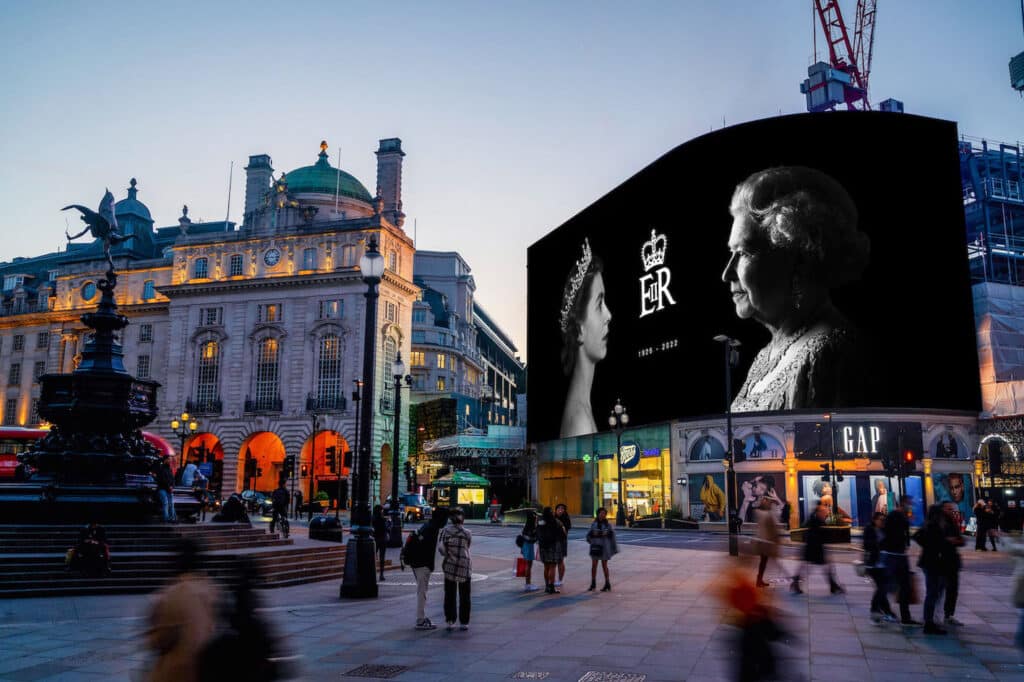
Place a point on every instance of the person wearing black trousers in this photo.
(873, 534)
(381, 531)
(953, 565)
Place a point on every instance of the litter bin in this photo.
(325, 528)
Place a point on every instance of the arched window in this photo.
(208, 380)
(390, 350)
(200, 269)
(267, 375)
(329, 393)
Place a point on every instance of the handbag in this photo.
(596, 551)
(521, 566)
(520, 541)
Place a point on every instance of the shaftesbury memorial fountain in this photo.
(94, 464)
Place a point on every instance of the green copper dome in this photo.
(322, 178)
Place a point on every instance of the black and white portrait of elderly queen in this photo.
(794, 239)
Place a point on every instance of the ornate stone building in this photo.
(253, 330)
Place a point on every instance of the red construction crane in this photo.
(844, 79)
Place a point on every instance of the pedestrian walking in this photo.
(381, 533)
(980, 526)
(767, 537)
(1016, 549)
(457, 566)
(550, 537)
(934, 555)
(756, 630)
(529, 547)
(953, 565)
(246, 648)
(814, 552)
(165, 490)
(298, 503)
(182, 618)
(873, 534)
(894, 555)
(420, 553)
(279, 513)
(995, 515)
(603, 547)
(562, 516)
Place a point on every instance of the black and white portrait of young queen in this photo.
(826, 245)
(794, 238)
(584, 320)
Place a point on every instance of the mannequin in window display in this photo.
(584, 322)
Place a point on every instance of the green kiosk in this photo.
(462, 489)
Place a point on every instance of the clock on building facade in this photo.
(272, 257)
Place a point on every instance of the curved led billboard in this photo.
(825, 251)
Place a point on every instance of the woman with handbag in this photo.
(603, 547)
(527, 542)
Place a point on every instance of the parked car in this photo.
(254, 501)
(413, 506)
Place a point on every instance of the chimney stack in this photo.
(389, 179)
(257, 183)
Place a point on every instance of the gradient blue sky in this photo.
(514, 116)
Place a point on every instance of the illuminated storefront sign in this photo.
(873, 440)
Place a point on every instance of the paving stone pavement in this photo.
(659, 622)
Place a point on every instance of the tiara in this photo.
(572, 287)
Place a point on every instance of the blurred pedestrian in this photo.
(182, 618)
(767, 537)
(894, 555)
(529, 547)
(934, 555)
(954, 563)
(995, 515)
(297, 496)
(814, 552)
(550, 536)
(562, 516)
(420, 553)
(245, 648)
(381, 534)
(873, 534)
(980, 526)
(603, 547)
(758, 629)
(1016, 548)
(458, 569)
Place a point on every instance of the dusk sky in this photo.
(514, 116)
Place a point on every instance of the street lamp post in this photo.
(618, 420)
(360, 579)
(184, 429)
(398, 371)
(357, 397)
(731, 357)
(312, 463)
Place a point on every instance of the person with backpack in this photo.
(381, 533)
(418, 553)
(527, 542)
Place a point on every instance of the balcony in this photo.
(337, 403)
(263, 405)
(206, 407)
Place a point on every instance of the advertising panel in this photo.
(874, 440)
(755, 488)
(707, 449)
(796, 237)
(707, 496)
(957, 488)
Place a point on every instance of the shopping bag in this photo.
(521, 565)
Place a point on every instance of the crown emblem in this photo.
(572, 287)
(653, 252)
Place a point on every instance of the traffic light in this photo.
(331, 454)
(909, 460)
(839, 475)
(259, 472)
(826, 468)
(347, 457)
(289, 466)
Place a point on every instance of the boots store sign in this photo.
(874, 440)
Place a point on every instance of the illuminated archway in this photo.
(205, 449)
(314, 465)
(266, 450)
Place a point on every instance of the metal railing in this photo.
(263, 405)
(214, 406)
(327, 403)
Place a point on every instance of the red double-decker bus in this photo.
(16, 439)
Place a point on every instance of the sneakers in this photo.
(933, 629)
(451, 626)
(877, 617)
(558, 583)
(425, 624)
(464, 627)
(531, 588)
(951, 621)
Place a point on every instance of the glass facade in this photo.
(583, 474)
